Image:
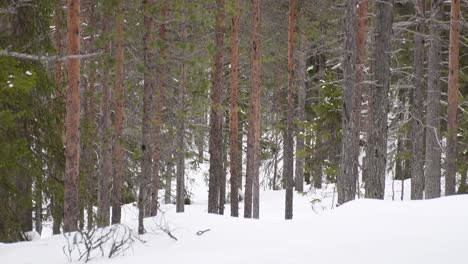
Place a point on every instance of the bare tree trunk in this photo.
(359, 85)
(234, 111)
(432, 166)
(148, 90)
(180, 133)
(216, 116)
(160, 93)
(119, 115)
(288, 160)
(377, 145)
(301, 96)
(105, 176)
(72, 120)
(346, 182)
(252, 186)
(452, 99)
(417, 125)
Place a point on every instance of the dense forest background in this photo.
(109, 102)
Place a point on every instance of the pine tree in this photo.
(72, 119)
(452, 124)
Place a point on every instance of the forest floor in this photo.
(362, 231)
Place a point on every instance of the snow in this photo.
(362, 231)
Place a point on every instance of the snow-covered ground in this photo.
(363, 231)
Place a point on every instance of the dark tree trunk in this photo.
(288, 160)
(72, 120)
(180, 134)
(252, 188)
(234, 112)
(148, 90)
(377, 145)
(216, 116)
(301, 118)
(160, 93)
(346, 181)
(119, 115)
(432, 166)
(452, 99)
(417, 110)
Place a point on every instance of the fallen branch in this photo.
(26, 56)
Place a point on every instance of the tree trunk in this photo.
(160, 93)
(105, 176)
(346, 182)
(216, 116)
(433, 137)
(288, 160)
(377, 145)
(119, 115)
(452, 99)
(148, 90)
(252, 188)
(72, 120)
(234, 111)
(417, 125)
(359, 84)
(301, 96)
(180, 133)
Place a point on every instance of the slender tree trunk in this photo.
(417, 125)
(452, 99)
(288, 163)
(168, 185)
(72, 120)
(105, 177)
(160, 93)
(216, 116)
(346, 182)
(38, 205)
(148, 90)
(119, 115)
(377, 145)
(234, 111)
(180, 132)
(252, 186)
(359, 85)
(432, 166)
(301, 96)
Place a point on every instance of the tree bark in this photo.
(301, 117)
(216, 116)
(377, 145)
(359, 85)
(288, 160)
(252, 187)
(160, 93)
(180, 132)
(417, 110)
(452, 98)
(72, 120)
(432, 166)
(234, 111)
(346, 181)
(148, 90)
(119, 115)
